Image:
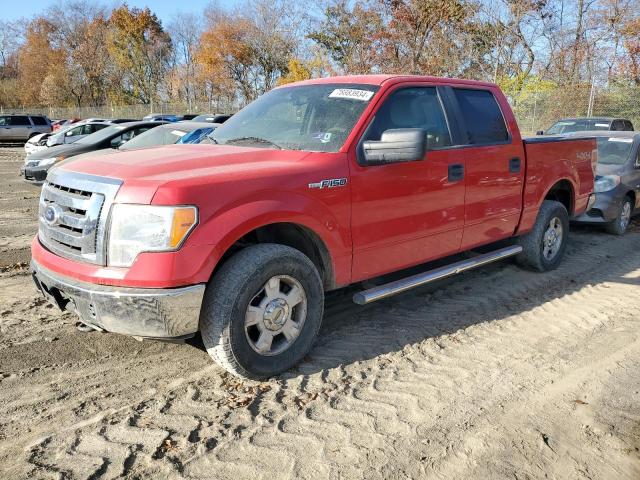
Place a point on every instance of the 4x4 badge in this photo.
(331, 183)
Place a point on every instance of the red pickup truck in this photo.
(314, 186)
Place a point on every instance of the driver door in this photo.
(408, 213)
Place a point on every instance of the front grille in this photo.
(71, 223)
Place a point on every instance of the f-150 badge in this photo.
(331, 183)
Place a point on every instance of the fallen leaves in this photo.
(240, 394)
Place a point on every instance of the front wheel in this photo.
(544, 246)
(620, 224)
(262, 311)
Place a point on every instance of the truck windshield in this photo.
(309, 117)
(614, 150)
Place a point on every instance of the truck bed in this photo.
(552, 159)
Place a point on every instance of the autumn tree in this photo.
(351, 36)
(297, 71)
(227, 56)
(35, 57)
(140, 49)
(630, 65)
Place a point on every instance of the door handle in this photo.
(514, 165)
(456, 172)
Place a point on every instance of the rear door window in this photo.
(97, 126)
(482, 116)
(19, 120)
(617, 125)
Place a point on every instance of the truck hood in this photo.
(171, 163)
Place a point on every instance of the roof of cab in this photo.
(379, 80)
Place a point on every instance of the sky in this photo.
(165, 9)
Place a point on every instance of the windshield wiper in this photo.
(210, 139)
(253, 139)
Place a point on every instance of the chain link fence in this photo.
(131, 111)
(534, 111)
(539, 110)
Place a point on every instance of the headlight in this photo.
(605, 183)
(48, 161)
(147, 228)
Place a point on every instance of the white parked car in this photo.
(75, 132)
(36, 143)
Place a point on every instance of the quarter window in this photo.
(39, 121)
(482, 116)
(415, 107)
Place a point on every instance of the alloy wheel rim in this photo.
(552, 239)
(625, 216)
(275, 315)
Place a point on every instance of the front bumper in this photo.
(170, 313)
(35, 174)
(604, 209)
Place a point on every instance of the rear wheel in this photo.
(620, 224)
(262, 311)
(544, 246)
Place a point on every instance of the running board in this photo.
(404, 284)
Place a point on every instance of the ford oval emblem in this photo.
(52, 214)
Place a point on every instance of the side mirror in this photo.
(395, 146)
(540, 132)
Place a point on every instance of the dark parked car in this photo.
(583, 124)
(170, 133)
(159, 117)
(617, 181)
(122, 120)
(37, 164)
(212, 118)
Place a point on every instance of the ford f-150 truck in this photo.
(314, 186)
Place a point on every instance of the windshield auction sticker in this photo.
(352, 94)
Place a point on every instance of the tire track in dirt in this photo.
(396, 390)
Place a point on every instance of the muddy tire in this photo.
(544, 246)
(262, 311)
(620, 224)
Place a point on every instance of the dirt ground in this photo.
(500, 374)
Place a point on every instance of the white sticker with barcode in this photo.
(621, 140)
(352, 94)
(178, 133)
(602, 125)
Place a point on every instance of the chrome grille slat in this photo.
(80, 204)
(70, 239)
(74, 220)
(65, 199)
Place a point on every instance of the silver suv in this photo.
(20, 128)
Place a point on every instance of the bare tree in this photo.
(185, 30)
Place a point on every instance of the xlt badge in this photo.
(331, 183)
